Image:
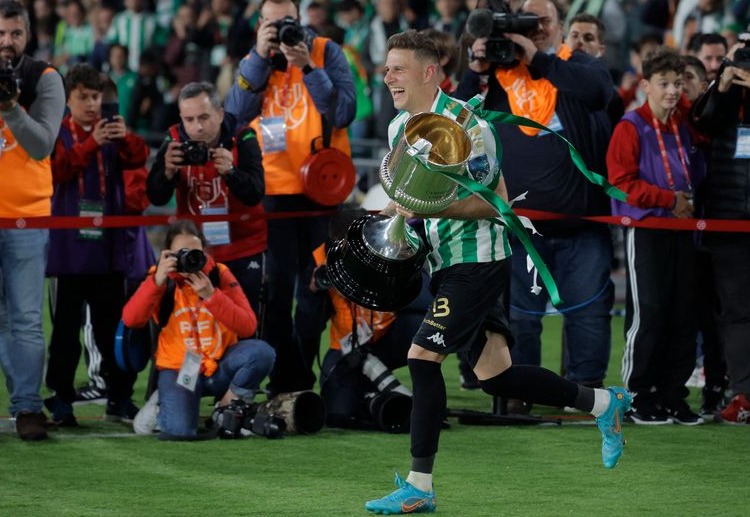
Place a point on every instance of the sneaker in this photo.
(406, 499)
(649, 413)
(144, 422)
(31, 427)
(683, 415)
(736, 412)
(123, 412)
(61, 411)
(90, 394)
(610, 424)
(713, 402)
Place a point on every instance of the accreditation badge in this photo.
(189, 371)
(89, 208)
(216, 232)
(742, 147)
(273, 132)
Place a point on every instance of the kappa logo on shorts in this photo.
(437, 338)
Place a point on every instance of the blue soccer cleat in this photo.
(406, 499)
(610, 424)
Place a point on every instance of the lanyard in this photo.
(99, 163)
(665, 159)
(194, 312)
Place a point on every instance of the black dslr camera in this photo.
(742, 54)
(492, 24)
(9, 83)
(290, 32)
(189, 261)
(240, 419)
(194, 153)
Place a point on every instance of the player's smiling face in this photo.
(407, 79)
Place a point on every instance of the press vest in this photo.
(27, 183)
(342, 318)
(192, 326)
(286, 96)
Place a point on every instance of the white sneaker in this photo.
(144, 422)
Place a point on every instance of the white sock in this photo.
(420, 480)
(601, 401)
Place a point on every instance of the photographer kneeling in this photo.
(201, 310)
(358, 387)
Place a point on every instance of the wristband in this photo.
(307, 69)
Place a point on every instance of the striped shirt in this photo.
(138, 32)
(456, 241)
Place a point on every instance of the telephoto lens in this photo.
(381, 376)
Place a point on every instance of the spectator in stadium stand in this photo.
(29, 121)
(137, 29)
(711, 49)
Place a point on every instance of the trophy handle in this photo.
(467, 113)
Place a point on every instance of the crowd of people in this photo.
(232, 97)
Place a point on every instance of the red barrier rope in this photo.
(120, 221)
(661, 223)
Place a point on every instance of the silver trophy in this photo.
(378, 264)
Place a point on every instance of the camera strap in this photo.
(327, 121)
(99, 163)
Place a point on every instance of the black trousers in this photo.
(660, 321)
(731, 256)
(105, 295)
(294, 333)
(714, 366)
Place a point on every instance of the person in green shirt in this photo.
(124, 79)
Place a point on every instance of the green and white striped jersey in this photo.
(456, 241)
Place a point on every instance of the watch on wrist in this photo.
(307, 69)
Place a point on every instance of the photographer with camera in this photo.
(216, 171)
(356, 380)
(723, 112)
(93, 154)
(293, 86)
(32, 102)
(531, 73)
(202, 313)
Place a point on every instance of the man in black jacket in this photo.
(724, 113)
(553, 85)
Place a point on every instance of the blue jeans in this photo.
(243, 367)
(580, 263)
(23, 260)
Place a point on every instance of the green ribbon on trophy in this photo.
(508, 217)
(514, 224)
